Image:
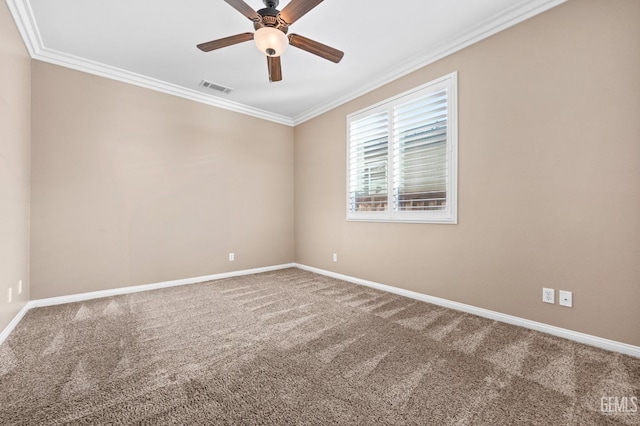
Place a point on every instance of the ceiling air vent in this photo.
(216, 87)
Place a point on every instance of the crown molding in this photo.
(25, 21)
(102, 70)
(520, 12)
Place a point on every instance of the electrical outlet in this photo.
(548, 295)
(566, 298)
(20, 287)
(10, 295)
(335, 257)
(232, 257)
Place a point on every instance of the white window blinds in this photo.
(402, 157)
(369, 163)
(420, 129)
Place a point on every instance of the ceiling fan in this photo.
(271, 38)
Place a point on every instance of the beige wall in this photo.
(15, 127)
(549, 178)
(132, 186)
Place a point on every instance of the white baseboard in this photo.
(51, 301)
(14, 322)
(146, 287)
(610, 345)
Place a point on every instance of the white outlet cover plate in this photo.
(548, 295)
(566, 298)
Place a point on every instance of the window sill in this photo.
(438, 221)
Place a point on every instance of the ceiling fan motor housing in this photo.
(270, 17)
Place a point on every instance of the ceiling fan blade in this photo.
(296, 9)
(224, 42)
(243, 8)
(275, 71)
(312, 46)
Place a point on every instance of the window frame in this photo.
(449, 215)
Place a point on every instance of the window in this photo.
(402, 157)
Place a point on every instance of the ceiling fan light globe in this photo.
(271, 41)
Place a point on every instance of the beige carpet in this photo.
(292, 347)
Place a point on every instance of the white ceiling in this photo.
(152, 43)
